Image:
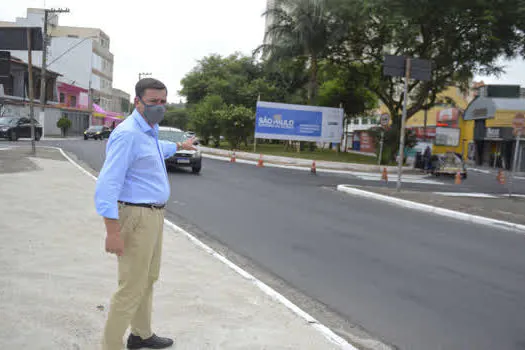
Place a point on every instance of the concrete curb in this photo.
(288, 161)
(273, 165)
(325, 331)
(475, 219)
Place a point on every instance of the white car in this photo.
(182, 158)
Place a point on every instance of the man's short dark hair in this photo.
(148, 83)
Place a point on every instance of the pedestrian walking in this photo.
(131, 193)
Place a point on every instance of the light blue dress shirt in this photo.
(134, 170)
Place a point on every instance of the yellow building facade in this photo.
(446, 128)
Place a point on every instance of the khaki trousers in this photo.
(138, 269)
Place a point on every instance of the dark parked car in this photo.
(182, 158)
(97, 132)
(13, 128)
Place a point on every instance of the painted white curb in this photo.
(325, 331)
(476, 219)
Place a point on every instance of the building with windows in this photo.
(492, 113)
(63, 100)
(81, 55)
(120, 102)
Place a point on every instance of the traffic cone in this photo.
(313, 170)
(233, 159)
(457, 181)
(260, 163)
(384, 175)
(501, 177)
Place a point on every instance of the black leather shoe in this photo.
(154, 342)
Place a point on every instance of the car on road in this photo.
(449, 163)
(13, 128)
(182, 158)
(97, 132)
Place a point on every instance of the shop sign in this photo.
(447, 137)
(493, 133)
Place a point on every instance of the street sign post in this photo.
(384, 121)
(518, 124)
(418, 69)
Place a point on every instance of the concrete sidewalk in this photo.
(56, 280)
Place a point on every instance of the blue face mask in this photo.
(154, 114)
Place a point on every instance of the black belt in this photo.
(144, 205)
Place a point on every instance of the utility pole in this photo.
(403, 122)
(44, 54)
(144, 75)
(43, 87)
(30, 82)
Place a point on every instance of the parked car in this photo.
(182, 158)
(448, 163)
(13, 128)
(97, 132)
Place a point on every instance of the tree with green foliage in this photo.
(237, 124)
(64, 124)
(204, 118)
(300, 29)
(176, 117)
(237, 79)
(342, 86)
(461, 37)
(290, 79)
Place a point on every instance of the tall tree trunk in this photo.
(312, 86)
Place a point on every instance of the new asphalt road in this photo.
(417, 281)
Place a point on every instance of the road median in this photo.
(301, 163)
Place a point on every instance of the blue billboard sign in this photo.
(288, 122)
(281, 121)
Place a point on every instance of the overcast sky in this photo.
(167, 37)
(163, 37)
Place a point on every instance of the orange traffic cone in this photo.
(233, 159)
(384, 175)
(501, 177)
(457, 180)
(313, 170)
(260, 163)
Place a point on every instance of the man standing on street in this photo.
(130, 195)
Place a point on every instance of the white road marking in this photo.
(475, 219)
(393, 177)
(480, 170)
(466, 194)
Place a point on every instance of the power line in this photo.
(44, 54)
(70, 48)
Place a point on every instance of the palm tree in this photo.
(298, 28)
